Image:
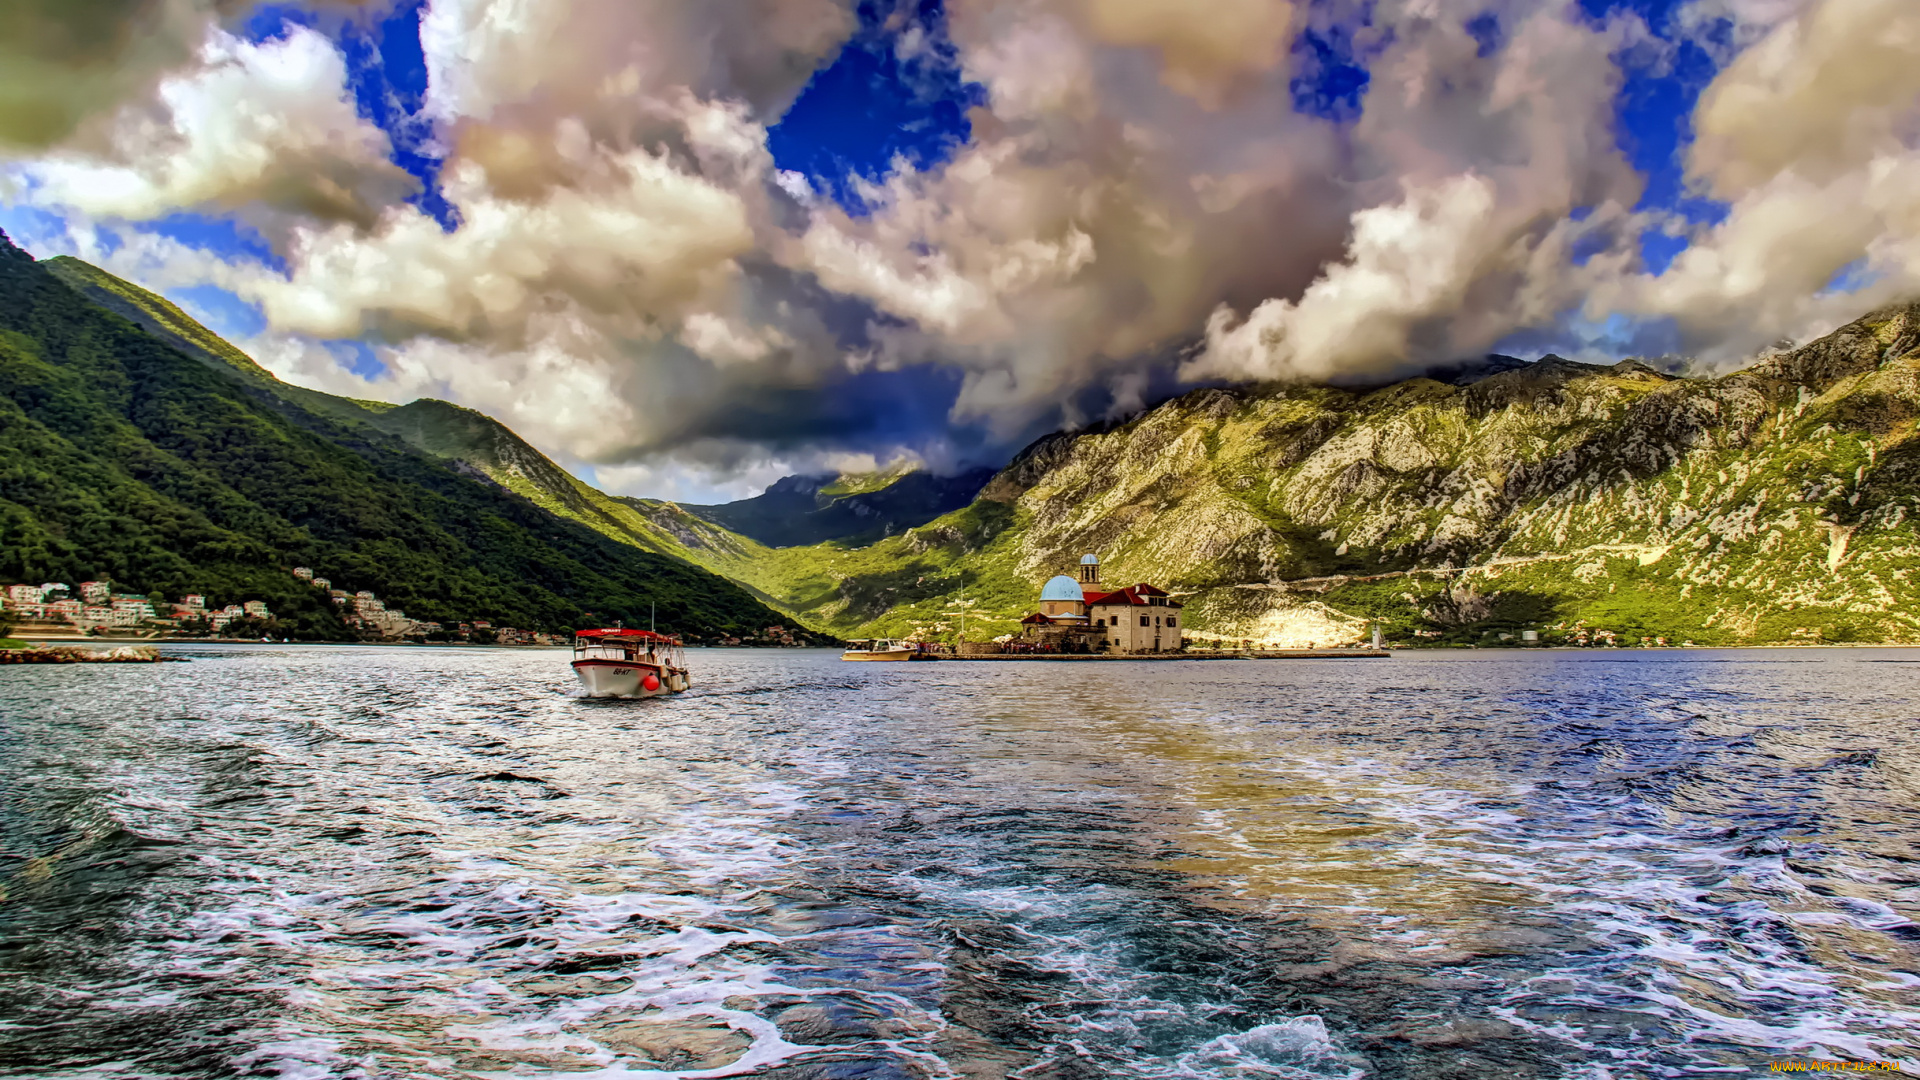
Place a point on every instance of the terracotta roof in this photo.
(1037, 619)
(1135, 595)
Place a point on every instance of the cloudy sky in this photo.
(687, 246)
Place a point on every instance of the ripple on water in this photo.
(363, 862)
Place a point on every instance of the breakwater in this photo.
(76, 654)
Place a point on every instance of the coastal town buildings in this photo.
(94, 606)
(99, 607)
(1082, 615)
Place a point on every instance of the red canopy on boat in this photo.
(643, 635)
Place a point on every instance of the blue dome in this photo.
(1089, 560)
(1062, 588)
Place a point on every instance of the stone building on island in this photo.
(1083, 616)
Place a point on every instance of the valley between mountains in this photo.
(1773, 505)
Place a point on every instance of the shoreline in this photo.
(38, 640)
(1270, 654)
(73, 654)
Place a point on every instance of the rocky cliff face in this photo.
(1770, 505)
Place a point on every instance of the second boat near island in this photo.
(886, 649)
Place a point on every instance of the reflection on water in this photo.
(350, 862)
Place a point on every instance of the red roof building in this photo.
(1080, 616)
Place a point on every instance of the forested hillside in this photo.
(129, 459)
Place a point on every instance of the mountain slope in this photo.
(130, 459)
(1775, 504)
(440, 428)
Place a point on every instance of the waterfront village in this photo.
(93, 607)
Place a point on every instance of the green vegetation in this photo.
(122, 458)
(852, 510)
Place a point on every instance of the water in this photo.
(358, 862)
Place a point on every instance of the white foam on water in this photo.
(656, 922)
(1105, 1017)
(1672, 912)
(1295, 1049)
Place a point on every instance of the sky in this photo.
(686, 248)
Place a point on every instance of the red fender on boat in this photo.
(651, 682)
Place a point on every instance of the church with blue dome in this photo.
(1080, 615)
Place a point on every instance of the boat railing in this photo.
(591, 649)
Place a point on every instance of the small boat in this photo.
(884, 649)
(629, 663)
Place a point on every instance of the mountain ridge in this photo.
(798, 511)
(1768, 505)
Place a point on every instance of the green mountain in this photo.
(851, 509)
(472, 442)
(1772, 505)
(137, 446)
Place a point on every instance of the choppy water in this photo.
(350, 862)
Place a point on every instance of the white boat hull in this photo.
(618, 679)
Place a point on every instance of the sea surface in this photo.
(403, 862)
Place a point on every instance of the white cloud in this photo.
(247, 124)
(1813, 136)
(1489, 157)
(632, 280)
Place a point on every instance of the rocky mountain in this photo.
(1772, 505)
(141, 448)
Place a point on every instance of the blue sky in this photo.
(870, 108)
